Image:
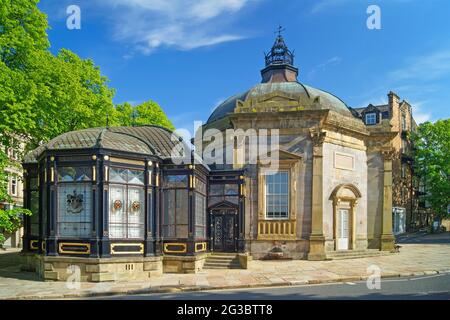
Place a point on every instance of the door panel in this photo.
(343, 232)
(224, 230)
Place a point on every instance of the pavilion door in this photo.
(224, 234)
(343, 229)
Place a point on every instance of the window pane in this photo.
(200, 215)
(216, 189)
(136, 214)
(182, 207)
(117, 216)
(69, 174)
(118, 175)
(34, 208)
(231, 189)
(74, 209)
(177, 181)
(277, 195)
(33, 183)
(136, 177)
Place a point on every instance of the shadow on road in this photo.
(424, 238)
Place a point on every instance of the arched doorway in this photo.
(345, 200)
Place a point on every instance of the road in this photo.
(432, 287)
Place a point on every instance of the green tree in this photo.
(145, 113)
(432, 163)
(43, 96)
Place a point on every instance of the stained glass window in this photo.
(200, 215)
(126, 212)
(223, 192)
(277, 195)
(175, 181)
(34, 208)
(119, 175)
(74, 209)
(175, 214)
(71, 174)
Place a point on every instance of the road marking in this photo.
(350, 283)
(427, 277)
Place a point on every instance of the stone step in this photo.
(221, 267)
(212, 263)
(219, 260)
(223, 255)
(350, 254)
(222, 258)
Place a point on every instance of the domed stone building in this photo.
(132, 202)
(318, 204)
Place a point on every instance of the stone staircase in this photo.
(219, 260)
(354, 254)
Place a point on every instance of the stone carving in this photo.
(317, 136)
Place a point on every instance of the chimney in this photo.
(394, 110)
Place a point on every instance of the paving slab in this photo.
(413, 259)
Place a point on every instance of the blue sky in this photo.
(189, 55)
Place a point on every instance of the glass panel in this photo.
(216, 189)
(117, 214)
(127, 212)
(231, 189)
(136, 177)
(200, 216)
(34, 208)
(118, 175)
(168, 229)
(136, 214)
(177, 181)
(33, 183)
(182, 207)
(69, 174)
(74, 209)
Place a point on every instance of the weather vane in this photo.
(280, 30)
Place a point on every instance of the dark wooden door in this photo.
(224, 221)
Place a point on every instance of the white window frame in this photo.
(372, 116)
(14, 185)
(267, 173)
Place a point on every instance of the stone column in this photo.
(387, 238)
(317, 238)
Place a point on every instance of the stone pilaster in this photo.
(317, 238)
(387, 237)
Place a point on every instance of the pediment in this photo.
(224, 205)
(276, 101)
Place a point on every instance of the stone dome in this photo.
(279, 75)
(328, 101)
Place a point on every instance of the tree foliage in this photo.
(43, 95)
(432, 163)
(148, 112)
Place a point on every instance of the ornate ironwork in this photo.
(279, 54)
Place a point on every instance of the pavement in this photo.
(415, 259)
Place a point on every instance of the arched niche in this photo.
(345, 200)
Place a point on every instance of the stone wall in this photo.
(335, 174)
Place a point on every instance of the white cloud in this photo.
(428, 67)
(419, 114)
(179, 24)
(322, 66)
(324, 5)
